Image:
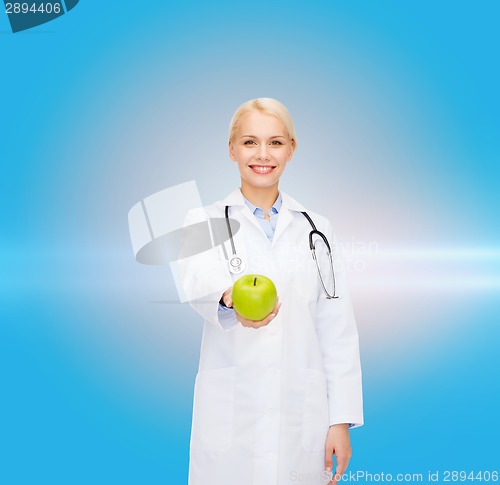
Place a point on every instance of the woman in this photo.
(274, 399)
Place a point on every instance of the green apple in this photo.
(254, 296)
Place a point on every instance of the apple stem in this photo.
(255, 281)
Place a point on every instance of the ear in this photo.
(231, 152)
(292, 149)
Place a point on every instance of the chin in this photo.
(261, 184)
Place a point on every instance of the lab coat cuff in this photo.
(353, 422)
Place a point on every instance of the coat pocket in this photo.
(315, 418)
(213, 410)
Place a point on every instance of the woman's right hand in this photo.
(228, 301)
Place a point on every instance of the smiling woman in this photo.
(261, 140)
(274, 398)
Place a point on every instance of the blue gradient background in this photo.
(396, 106)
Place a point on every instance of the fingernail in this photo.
(272, 315)
(329, 469)
(229, 303)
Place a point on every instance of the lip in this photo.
(262, 169)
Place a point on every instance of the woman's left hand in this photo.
(338, 443)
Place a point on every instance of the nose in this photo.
(263, 153)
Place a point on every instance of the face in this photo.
(261, 147)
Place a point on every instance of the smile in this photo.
(262, 169)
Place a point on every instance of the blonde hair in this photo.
(265, 105)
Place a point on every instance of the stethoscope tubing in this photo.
(237, 265)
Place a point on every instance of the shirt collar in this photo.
(235, 198)
(276, 206)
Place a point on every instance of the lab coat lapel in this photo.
(284, 220)
(285, 217)
(253, 220)
(235, 198)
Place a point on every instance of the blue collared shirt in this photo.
(267, 226)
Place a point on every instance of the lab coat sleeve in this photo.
(204, 275)
(338, 337)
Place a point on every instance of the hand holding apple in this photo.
(254, 296)
(254, 299)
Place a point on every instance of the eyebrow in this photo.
(253, 136)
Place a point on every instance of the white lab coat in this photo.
(264, 398)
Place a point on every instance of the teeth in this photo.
(261, 169)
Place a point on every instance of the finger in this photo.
(342, 463)
(337, 474)
(328, 461)
(335, 479)
(227, 297)
(245, 322)
(277, 307)
(265, 321)
(249, 323)
(258, 323)
(343, 460)
(269, 318)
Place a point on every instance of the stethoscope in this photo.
(237, 265)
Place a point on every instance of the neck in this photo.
(260, 197)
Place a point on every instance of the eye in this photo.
(248, 142)
(276, 142)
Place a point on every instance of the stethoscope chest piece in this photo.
(236, 264)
